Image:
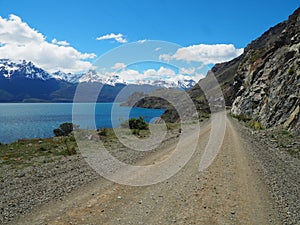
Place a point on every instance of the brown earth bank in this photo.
(251, 181)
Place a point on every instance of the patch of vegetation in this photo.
(285, 132)
(138, 127)
(65, 129)
(256, 125)
(172, 126)
(103, 132)
(291, 71)
(257, 54)
(288, 141)
(26, 152)
(241, 117)
(136, 132)
(137, 124)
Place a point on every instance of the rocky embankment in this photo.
(269, 77)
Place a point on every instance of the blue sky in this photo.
(186, 23)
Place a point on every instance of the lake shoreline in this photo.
(38, 120)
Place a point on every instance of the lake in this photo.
(37, 120)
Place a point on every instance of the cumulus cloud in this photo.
(187, 70)
(207, 54)
(64, 43)
(133, 76)
(119, 66)
(117, 37)
(19, 41)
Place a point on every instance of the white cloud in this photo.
(157, 49)
(167, 74)
(119, 66)
(117, 37)
(18, 41)
(64, 43)
(162, 71)
(188, 71)
(207, 54)
(141, 41)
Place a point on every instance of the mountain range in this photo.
(22, 81)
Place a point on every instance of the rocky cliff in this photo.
(267, 78)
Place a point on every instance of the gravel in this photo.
(33, 186)
(29, 188)
(23, 190)
(280, 168)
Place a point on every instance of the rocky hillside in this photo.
(268, 77)
(263, 83)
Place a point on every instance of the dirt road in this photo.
(230, 191)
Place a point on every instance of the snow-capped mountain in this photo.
(23, 81)
(91, 77)
(69, 77)
(115, 79)
(186, 84)
(22, 68)
(94, 77)
(182, 84)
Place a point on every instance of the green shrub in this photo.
(291, 71)
(58, 132)
(138, 124)
(256, 125)
(136, 132)
(103, 132)
(64, 129)
(285, 132)
(241, 117)
(43, 149)
(71, 150)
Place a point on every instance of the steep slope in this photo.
(269, 77)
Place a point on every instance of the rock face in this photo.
(268, 77)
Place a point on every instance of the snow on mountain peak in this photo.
(10, 68)
(184, 83)
(22, 68)
(91, 76)
(69, 77)
(115, 79)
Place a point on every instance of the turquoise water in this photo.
(37, 120)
